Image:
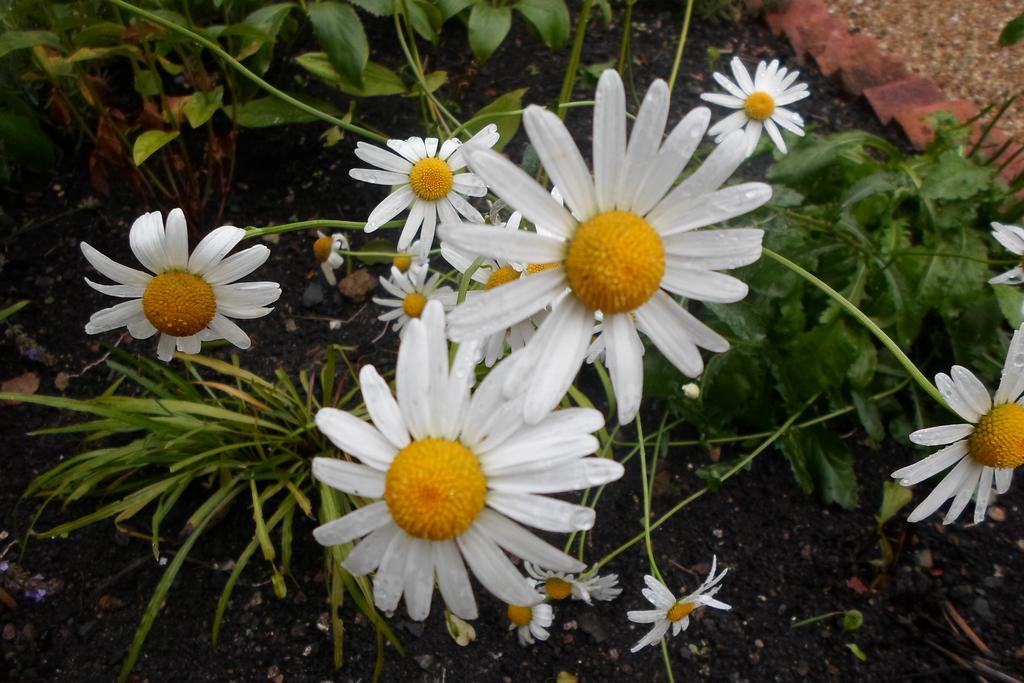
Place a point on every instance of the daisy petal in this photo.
(237, 265)
(493, 569)
(383, 408)
(941, 493)
(933, 464)
(702, 285)
(643, 141)
(541, 512)
(357, 524)
(393, 204)
(176, 240)
(609, 137)
(453, 581)
(359, 480)
(562, 161)
(497, 242)
(524, 544)
(942, 435)
(500, 307)
(356, 437)
(112, 269)
(625, 358)
(673, 156)
(366, 556)
(209, 253)
(1011, 382)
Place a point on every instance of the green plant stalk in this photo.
(412, 56)
(682, 44)
(668, 662)
(820, 617)
(867, 322)
(242, 69)
(574, 57)
(252, 231)
(649, 526)
(644, 482)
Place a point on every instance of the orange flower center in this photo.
(179, 303)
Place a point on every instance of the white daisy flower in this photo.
(623, 247)
(451, 475)
(761, 103)
(427, 182)
(413, 257)
(673, 613)
(493, 273)
(325, 249)
(1011, 237)
(530, 621)
(188, 299)
(560, 585)
(984, 451)
(412, 290)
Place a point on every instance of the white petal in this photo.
(356, 524)
(729, 86)
(562, 161)
(366, 556)
(237, 265)
(413, 380)
(653, 636)
(733, 121)
(113, 317)
(225, 329)
(497, 242)
(933, 464)
(951, 392)
(456, 394)
(383, 408)
(393, 204)
(469, 184)
(519, 190)
(625, 358)
(1010, 236)
(500, 307)
(191, 345)
(359, 480)
(419, 570)
(971, 389)
(940, 436)
(559, 476)
(789, 120)
(752, 133)
(697, 212)
(404, 148)
(453, 581)
(437, 367)
(146, 239)
(1011, 382)
(493, 569)
(643, 141)
(673, 156)
(645, 616)
(658, 593)
(664, 321)
(389, 581)
(609, 148)
(209, 253)
(522, 543)
(114, 270)
(1013, 276)
(247, 294)
(381, 158)
(702, 285)
(791, 97)
(541, 512)
(165, 347)
(984, 494)
(775, 135)
(377, 177)
(413, 221)
(714, 249)
(739, 72)
(123, 291)
(724, 101)
(464, 208)
(356, 437)
(946, 488)
(1003, 479)
(176, 240)
(140, 327)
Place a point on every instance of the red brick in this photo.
(845, 51)
(818, 33)
(1015, 169)
(774, 21)
(902, 95)
(920, 131)
(874, 69)
(802, 13)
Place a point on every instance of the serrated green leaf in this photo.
(1011, 303)
(378, 80)
(340, 33)
(488, 27)
(497, 113)
(813, 154)
(150, 142)
(953, 176)
(549, 17)
(271, 111)
(200, 106)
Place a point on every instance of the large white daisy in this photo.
(427, 181)
(626, 244)
(671, 613)
(451, 475)
(1011, 237)
(188, 299)
(982, 452)
(410, 291)
(761, 103)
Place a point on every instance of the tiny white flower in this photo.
(985, 450)
(1011, 237)
(560, 585)
(452, 475)
(427, 181)
(691, 390)
(412, 290)
(412, 257)
(188, 298)
(761, 103)
(530, 621)
(325, 250)
(670, 612)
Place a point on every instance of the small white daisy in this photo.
(427, 182)
(412, 257)
(493, 273)
(560, 585)
(761, 103)
(986, 450)
(673, 613)
(1011, 237)
(188, 299)
(451, 474)
(626, 244)
(325, 249)
(412, 290)
(530, 621)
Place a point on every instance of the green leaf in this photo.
(857, 652)
(433, 80)
(852, 620)
(147, 83)
(814, 154)
(497, 112)
(870, 417)
(1013, 32)
(894, 499)
(425, 18)
(271, 111)
(449, 8)
(19, 40)
(24, 141)
(811, 368)
(340, 33)
(13, 308)
(150, 142)
(1011, 303)
(820, 458)
(549, 17)
(200, 106)
(378, 80)
(955, 177)
(378, 8)
(488, 27)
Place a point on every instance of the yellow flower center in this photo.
(413, 304)
(431, 179)
(178, 303)
(615, 262)
(680, 611)
(323, 248)
(557, 589)
(534, 268)
(402, 262)
(435, 489)
(520, 615)
(759, 105)
(502, 276)
(998, 438)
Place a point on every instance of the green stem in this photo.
(574, 58)
(668, 663)
(252, 231)
(867, 322)
(811, 620)
(682, 44)
(241, 68)
(649, 527)
(647, 502)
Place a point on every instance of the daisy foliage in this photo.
(452, 475)
(625, 245)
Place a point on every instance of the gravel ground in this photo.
(951, 41)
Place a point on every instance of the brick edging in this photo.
(857, 63)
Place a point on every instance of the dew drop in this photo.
(905, 482)
(1018, 360)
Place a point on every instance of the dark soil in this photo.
(791, 558)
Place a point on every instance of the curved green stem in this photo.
(682, 44)
(252, 231)
(867, 322)
(644, 481)
(241, 68)
(574, 57)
